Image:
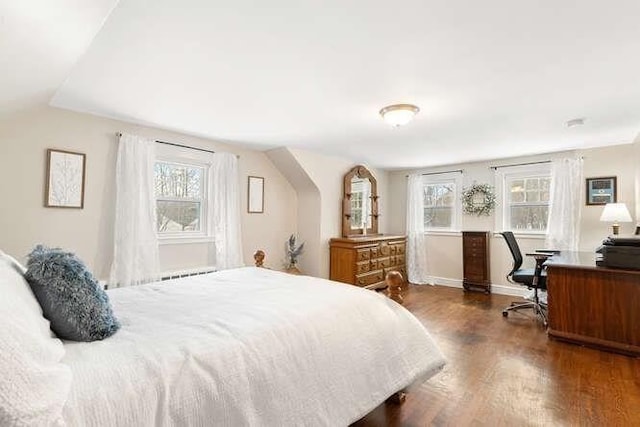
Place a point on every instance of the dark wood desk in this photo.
(591, 305)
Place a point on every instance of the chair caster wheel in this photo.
(505, 313)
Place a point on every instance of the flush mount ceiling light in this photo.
(399, 114)
(575, 122)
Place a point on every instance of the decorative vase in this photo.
(292, 268)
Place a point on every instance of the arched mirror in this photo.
(359, 203)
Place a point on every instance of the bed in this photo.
(247, 347)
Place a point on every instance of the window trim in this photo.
(456, 221)
(516, 172)
(183, 157)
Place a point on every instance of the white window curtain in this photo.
(565, 201)
(135, 251)
(417, 267)
(224, 210)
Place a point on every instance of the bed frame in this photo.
(394, 282)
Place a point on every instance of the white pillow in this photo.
(14, 263)
(34, 384)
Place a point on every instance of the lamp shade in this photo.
(615, 212)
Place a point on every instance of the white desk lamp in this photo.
(615, 212)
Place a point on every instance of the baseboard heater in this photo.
(187, 273)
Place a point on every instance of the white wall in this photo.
(444, 251)
(24, 222)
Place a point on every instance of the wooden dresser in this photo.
(475, 256)
(366, 260)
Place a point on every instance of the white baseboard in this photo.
(519, 291)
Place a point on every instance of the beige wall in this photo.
(318, 179)
(444, 251)
(308, 210)
(24, 222)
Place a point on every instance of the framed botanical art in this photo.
(601, 191)
(64, 187)
(255, 202)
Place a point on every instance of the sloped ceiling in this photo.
(40, 42)
(493, 79)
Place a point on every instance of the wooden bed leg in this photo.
(395, 281)
(398, 398)
(259, 258)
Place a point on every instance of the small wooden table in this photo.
(591, 305)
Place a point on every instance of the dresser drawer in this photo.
(475, 252)
(363, 267)
(369, 278)
(384, 249)
(384, 262)
(400, 260)
(363, 254)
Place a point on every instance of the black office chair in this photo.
(526, 277)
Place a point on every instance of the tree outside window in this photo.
(179, 190)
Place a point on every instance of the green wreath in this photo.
(479, 199)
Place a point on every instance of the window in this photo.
(442, 204)
(525, 195)
(180, 198)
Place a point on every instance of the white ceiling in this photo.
(40, 42)
(495, 78)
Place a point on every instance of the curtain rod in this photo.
(520, 164)
(178, 145)
(439, 173)
(524, 164)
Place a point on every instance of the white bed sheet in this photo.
(247, 347)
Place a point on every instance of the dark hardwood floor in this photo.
(505, 371)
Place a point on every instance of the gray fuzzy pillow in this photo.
(73, 301)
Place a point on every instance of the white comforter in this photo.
(247, 347)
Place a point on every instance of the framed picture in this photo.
(601, 191)
(64, 187)
(255, 202)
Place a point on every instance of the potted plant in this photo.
(293, 251)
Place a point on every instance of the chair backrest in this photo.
(515, 250)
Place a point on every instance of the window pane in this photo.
(517, 196)
(178, 181)
(545, 184)
(517, 185)
(178, 216)
(439, 194)
(516, 191)
(533, 196)
(529, 218)
(439, 204)
(438, 217)
(531, 184)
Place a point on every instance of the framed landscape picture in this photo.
(64, 187)
(601, 191)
